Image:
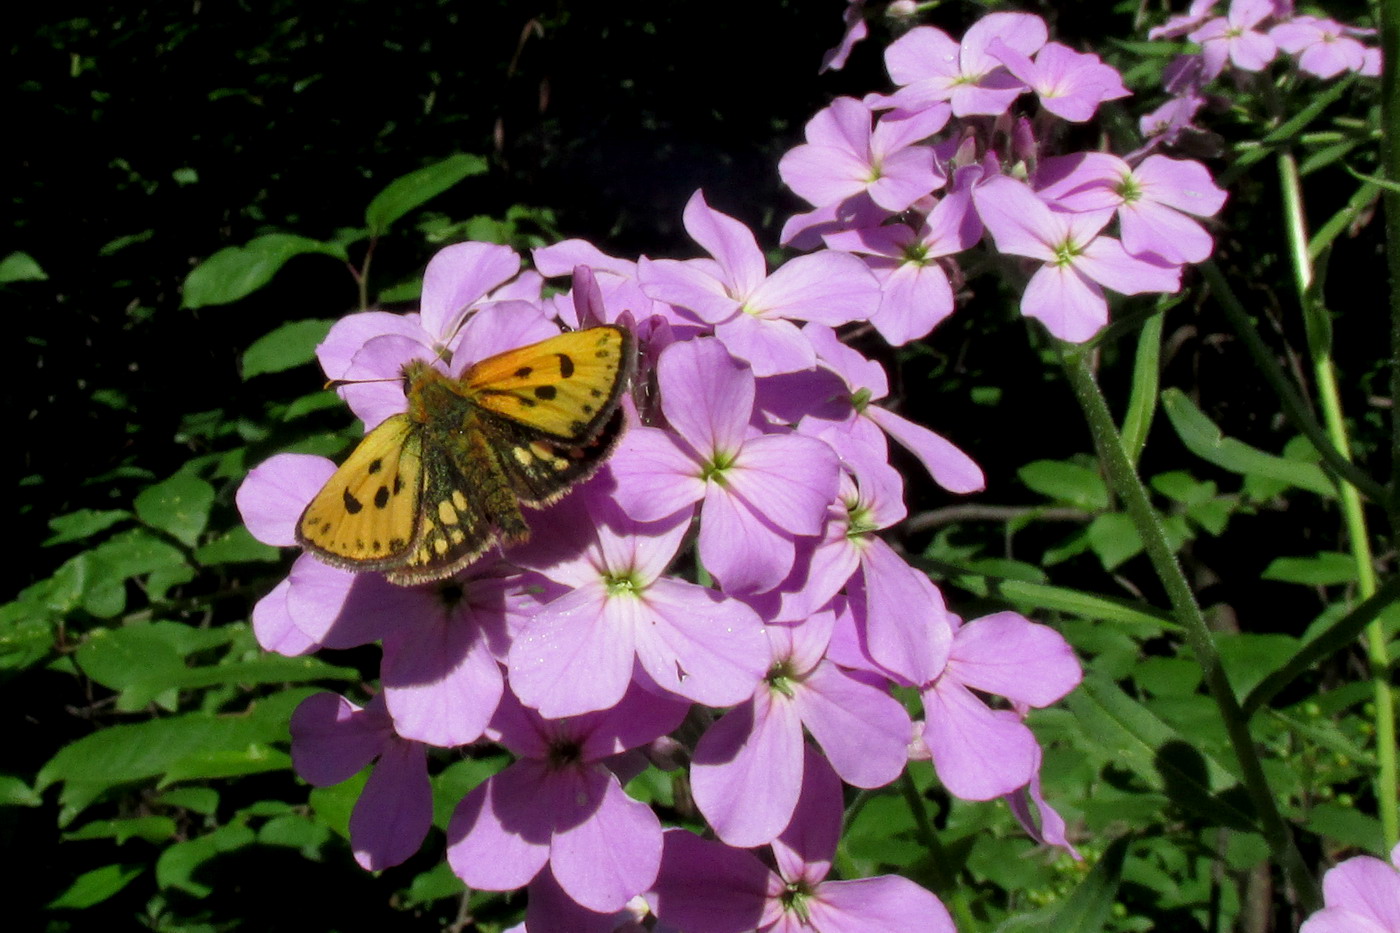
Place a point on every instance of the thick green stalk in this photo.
(1353, 515)
(1390, 168)
(1133, 493)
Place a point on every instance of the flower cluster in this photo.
(910, 179)
(725, 570)
(1247, 38)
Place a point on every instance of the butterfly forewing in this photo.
(565, 387)
(366, 516)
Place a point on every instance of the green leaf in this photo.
(269, 669)
(85, 523)
(177, 865)
(203, 800)
(1066, 482)
(1089, 905)
(16, 793)
(194, 744)
(20, 267)
(1203, 438)
(1114, 538)
(290, 345)
(96, 886)
(405, 193)
(294, 831)
(1347, 825)
(1132, 737)
(1250, 657)
(436, 884)
(150, 828)
(1326, 568)
(236, 547)
(117, 560)
(1142, 402)
(118, 658)
(1087, 605)
(237, 271)
(179, 506)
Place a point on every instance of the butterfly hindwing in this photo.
(538, 467)
(565, 387)
(366, 516)
(467, 506)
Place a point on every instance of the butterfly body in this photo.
(428, 491)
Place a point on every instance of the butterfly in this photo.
(428, 491)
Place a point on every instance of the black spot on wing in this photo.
(524, 371)
(566, 365)
(376, 465)
(546, 392)
(381, 497)
(352, 505)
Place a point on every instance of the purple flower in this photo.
(1322, 46)
(1151, 200)
(1195, 15)
(1362, 895)
(856, 30)
(1234, 37)
(752, 311)
(1070, 84)
(442, 642)
(980, 753)
(915, 292)
(865, 381)
(843, 157)
(1168, 122)
(1064, 293)
(708, 887)
(748, 767)
(559, 804)
(930, 67)
(578, 653)
(332, 740)
(374, 346)
(759, 491)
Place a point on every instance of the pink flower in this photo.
(561, 805)
(747, 773)
(981, 753)
(843, 157)
(915, 292)
(1151, 200)
(1234, 37)
(1322, 46)
(759, 491)
(332, 740)
(930, 67)
(623, 618)
(1070, 84)
(1064, 294)
(707, 887)
(1362, 895)
(753, 312)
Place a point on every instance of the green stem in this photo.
(1353, 515)
(1294, 407)
(1149, 526)
(940, 878)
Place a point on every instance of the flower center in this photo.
(623, 583)
(1128, 189)
(714, 469)
(781, 676)
(1066, 252)
(795, 898)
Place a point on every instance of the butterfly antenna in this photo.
(338, 383)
